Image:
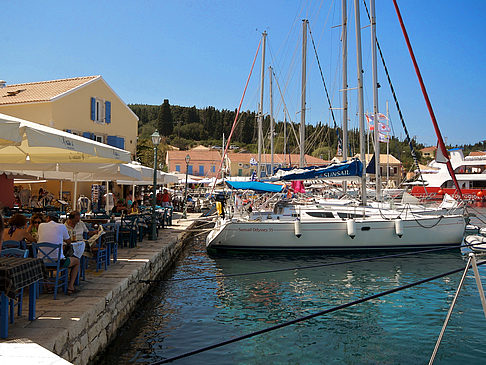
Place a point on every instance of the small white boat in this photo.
(476, 242)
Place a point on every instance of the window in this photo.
(178, 168)
(201, 170)
(213, 168)
(99, 138)
(100, 110)
(240, 164)
(321, 214)
(240, 172)
(189, 169)
(395, 170)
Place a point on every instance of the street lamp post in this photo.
(184, 214)
(155, 141)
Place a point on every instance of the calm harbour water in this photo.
(400, 328)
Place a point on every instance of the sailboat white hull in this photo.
(332, 234)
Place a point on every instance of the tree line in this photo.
(185, 127)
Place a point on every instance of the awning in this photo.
(23, 141)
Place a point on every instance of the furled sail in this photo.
(340, 171)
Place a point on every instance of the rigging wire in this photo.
(392, 89)
(313, 315)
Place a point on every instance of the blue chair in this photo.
(111, 245)
(45, 251)
(100, 254)
(11, 244)
(127, 232)
(19, 297)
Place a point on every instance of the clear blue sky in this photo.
(200, 53)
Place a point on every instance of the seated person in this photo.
(57, 233)
(35, 220)
(17, 230)
(76, 228)
(134, 208)
(120, 206)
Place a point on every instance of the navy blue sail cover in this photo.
(343, 171)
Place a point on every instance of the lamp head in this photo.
(155, 138)
(188, 158)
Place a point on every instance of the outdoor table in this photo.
(15, 274)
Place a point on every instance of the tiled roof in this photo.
(477, 153)
(277, 158)
(383, 158)
(195, 155)
(40, 91)
(428, 149)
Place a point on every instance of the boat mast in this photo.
(375, 101)
(270, 71)
(345, 84)
(302, 111)
(360, 100)
(285, 140)
(387, 147)
(260, 108)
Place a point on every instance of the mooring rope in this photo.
(310, 316)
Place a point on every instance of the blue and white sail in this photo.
(350, 170)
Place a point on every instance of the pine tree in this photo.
(165, 122)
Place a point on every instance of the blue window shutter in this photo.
(189, 169)
(92, 136)
(122, 143)
(111, 140)
(107, 112)
(93, 108)
(87, 135)
(201, 170)
(68, 130)
(178, 168)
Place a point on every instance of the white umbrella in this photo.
(23, 141)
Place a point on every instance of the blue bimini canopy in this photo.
(257, 186)
(341, 171)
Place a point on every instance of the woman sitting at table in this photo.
(37, 218)
(17, 230)
(134, 208)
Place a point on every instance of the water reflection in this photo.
(399, 328)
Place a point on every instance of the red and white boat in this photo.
(470, 172)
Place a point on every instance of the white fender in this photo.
(351, 226)
(482, 231)
(399, 227)
(297, 230)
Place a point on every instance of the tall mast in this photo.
(387, 147)
(360, 100)
(302, 111)
(270, 71)
(345, 83)
(260, 107)
(375, 101)
(285, 140)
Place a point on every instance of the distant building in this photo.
(428, 152)
(394, 168)
(244, 164)
(203, 163)
(477, 154)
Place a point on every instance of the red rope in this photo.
(236, 117)
(427, 101)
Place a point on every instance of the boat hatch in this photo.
(320, 214)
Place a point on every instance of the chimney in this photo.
(2, 84)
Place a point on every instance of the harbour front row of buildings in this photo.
(89, 107)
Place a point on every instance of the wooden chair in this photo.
(100, 254)
(58, 276)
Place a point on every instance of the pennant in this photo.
(383, 137)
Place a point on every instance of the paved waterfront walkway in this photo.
(66, 326)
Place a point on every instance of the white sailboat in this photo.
(325, 225)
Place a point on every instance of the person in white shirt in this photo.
(54, 232)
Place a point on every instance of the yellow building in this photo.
(86, 106)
